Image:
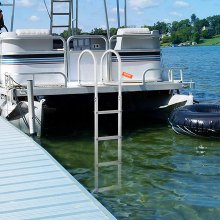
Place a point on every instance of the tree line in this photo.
(192, 29)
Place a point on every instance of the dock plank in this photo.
(33, 185)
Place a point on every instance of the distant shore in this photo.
(203, 42)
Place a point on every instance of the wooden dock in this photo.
(33, 185)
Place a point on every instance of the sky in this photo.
(33, 13)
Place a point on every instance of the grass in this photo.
(165, 44)
(213, 41)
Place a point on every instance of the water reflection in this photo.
(163, 176)
(201, 150)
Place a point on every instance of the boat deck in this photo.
(33, 185)
(74, 88)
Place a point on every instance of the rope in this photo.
(47, 9)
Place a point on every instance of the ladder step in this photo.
(59, 26)
(59, 13)
(106, 138)
(111, 83)
(107, 164)
(108, 112)
(61, 0)
(107, 188)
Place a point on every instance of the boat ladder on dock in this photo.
(97, 113)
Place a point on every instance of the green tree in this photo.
(166, 39)
(206, 34)
(162, 27)
(175, 26)
(113, 31)
(196, 37)
(65, 34)
(175, 39)
(200, 24)
(99, 31)
(194, 19)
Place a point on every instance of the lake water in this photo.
(164, 175)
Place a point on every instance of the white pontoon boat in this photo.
(68, 75)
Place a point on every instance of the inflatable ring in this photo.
(197, 120)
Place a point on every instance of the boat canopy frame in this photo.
(12, 4)
(76, 19)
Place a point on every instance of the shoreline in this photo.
(215, 41)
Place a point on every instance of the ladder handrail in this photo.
(109, 51)
(96, 115)
(80, 37)
(94, 62)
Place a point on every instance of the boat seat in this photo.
(128, 41)
(26, 41)
(5, 35)
(32, 32)
(26, 33)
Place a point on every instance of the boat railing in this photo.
(179, 70)
(10, 79)
(173, 71)
(64, 52)
(19, 47)
(147, 71)
(140, 52)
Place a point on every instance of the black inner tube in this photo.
(198, 119)
(205, 108)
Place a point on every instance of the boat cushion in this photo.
(32, 32)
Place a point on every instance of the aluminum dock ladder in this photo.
(97, 113)
(67, 15)
(117, 137)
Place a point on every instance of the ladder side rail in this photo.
(51, 17)
(95, 80)
(119, 117)
(69, 13)
(119, 109)
(95, 110)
